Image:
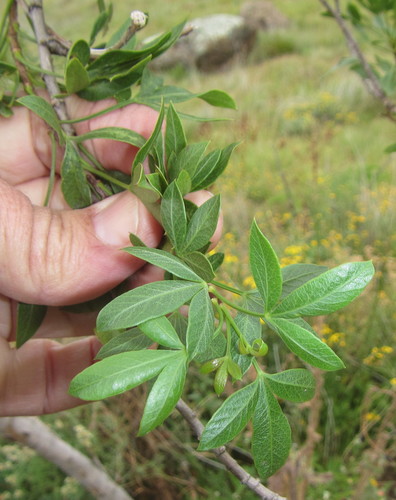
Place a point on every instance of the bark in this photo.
(32, 432)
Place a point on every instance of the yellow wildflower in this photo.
(371, 416)
(248, 282)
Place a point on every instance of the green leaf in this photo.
(265, 267)
(131, 340)
(251, 328)
(29, 319)
(119, 373)
(6, 69)
(328, 292)
(116, 133)
(44, 110)
(164, 260)
(136, 241)
(101, 23)
(306, 345)
(164, 394)
(295, 385)
(229, 420)
(162, 331)
(198, 262)
(211, 167)
(117, 85)
(183, 181)
(216, 349)
(200, 323)
(173, 215)
(202, 225)
(145, 191)
(74, 184)
(76, 76)
(151, 141)
(271, 439)
(146, 302)
(79, 50)
(216, 260)
(175, 138)
(295, 275)
(218, 98)
(188, 159)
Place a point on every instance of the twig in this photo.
(15, 48)
(36, 14)
(59, 46)
(371, 81)
(32, 432)
(254, 484)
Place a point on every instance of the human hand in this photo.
(57, 256)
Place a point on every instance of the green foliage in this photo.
(224, 334)
(375, 22)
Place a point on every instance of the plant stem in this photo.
(16, 49)
(52, 171)
(105, 176)
(224, 457)
(370, 80)
(230, 321)
(36, 14)
(232, 305)
(228, 288)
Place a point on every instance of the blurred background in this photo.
(311, 168)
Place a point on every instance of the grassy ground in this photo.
(311, 168)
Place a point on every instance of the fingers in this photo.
(25, 146)
(34, 379)
(136, 117)
(65, 257)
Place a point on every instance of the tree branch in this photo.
(32, 432)
(15, 48)
(36, 14)
(59, 46)
(232, 465)
(371, 81)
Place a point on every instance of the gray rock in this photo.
(263, 15)
(213, 42)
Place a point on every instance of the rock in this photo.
(213, 42)
(263, 15)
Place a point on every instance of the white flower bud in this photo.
(139, 19)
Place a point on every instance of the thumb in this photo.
(68, 256)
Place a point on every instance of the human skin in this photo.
(57, 256)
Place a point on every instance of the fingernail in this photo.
(115, 218)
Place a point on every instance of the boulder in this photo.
(263, 15)
(213, 42)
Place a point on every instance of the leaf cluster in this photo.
(225, 337)
(221, 342)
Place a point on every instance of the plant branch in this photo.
(16, 49)
(371, 81)
(59, 46)
(36, 14)
(32, 432)
(225, 458)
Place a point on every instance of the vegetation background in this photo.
(312, 169)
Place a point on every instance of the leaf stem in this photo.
(259, 370)
(231, 321)
(220, 312)
(105, 176)
(100, 113)
(52, 171)
(228, 288)
(232, 305)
